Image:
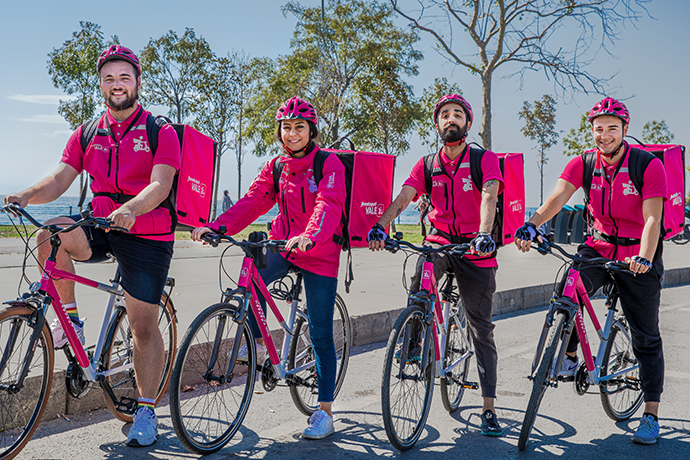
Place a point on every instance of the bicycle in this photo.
(614, 368)
(211, 391)
(684, 236)
(429, 340)
(26, 346)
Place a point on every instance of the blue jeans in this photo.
(320, 292)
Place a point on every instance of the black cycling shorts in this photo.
(143, 263)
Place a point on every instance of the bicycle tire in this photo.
(21, 411)
(457, 344)
(119, 348)
(305, 397)
(540, 383)
(622, 404)
(205, 412)
(682, 237)
(404, 419)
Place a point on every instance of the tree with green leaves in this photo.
(540, 126)
(350, 66)
(171, 67)
(72, 68)
(656, 132)
(215, 108)
(426, 129)
(579, 139)
(525, 34)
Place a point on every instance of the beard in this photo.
(453, 133)
(123, 104)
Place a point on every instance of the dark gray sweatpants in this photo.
(477, 286)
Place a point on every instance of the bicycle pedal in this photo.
(566, 378)
(126, 405)
(470, 385)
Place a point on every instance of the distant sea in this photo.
(67, 205)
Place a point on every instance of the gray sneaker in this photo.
(144, 429)
(320, 426)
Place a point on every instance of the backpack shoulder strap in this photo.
(153, 127)
(319, 160)
(277, 171)
(88, 132)
(637, 165)
(428, 170)
(476, 156)
(589, 163)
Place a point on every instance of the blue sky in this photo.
(651, 65)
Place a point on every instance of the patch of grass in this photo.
(186, 235)
(8, 231)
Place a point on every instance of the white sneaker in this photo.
(243, 354)
(320, 426)
(144, 429)
(59, 336)
(568, 367)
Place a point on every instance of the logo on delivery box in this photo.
(516, 205)
(372, 209)
(197, 186)
(676, 199)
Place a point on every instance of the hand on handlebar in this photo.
(198, 232)
(300, 242)
(526, 234)
(638, 264)
(122, 217)
(377, 237)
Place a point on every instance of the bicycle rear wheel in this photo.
(209, 395)
(457, 344)
(21, 410)
(118, 352)
(623, 396)
(407, 386)
(305, 396)
(541, 379)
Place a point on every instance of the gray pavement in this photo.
(568, 425)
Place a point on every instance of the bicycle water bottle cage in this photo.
(259, 254)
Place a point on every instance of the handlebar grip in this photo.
(211, 238)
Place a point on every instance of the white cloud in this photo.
(44, 119)
(39, 98)
(58, 133)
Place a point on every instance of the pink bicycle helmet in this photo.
(296, 108)
(609, 106)
(448, 98)
(118, 52)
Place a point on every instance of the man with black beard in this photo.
(461, 214)
(131, 187)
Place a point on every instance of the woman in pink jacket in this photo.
(308, 217)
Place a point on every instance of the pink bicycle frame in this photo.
(250, 280)
(575, 290)
(429, 283)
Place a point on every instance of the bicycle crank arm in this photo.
(628, 383)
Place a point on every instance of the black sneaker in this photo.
(490, 426)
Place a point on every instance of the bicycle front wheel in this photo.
(622, 396)
(21, 408)
(541, 379)
(209, 394)
(301, 355)
(457, 345)
(119, 350)
(407, 384)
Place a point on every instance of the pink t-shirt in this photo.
(127, 169)
(654, 185)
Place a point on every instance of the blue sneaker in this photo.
(490, 426)
(647, 432)
(144, 429)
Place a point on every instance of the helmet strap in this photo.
(306, 148)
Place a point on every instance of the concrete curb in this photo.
(366, 329)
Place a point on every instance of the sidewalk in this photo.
(376, 298)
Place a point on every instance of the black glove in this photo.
(642, 261)
(483, 243)
(527, 232)
(377, 233)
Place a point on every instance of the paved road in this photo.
(568, 425)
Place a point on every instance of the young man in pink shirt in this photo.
(626, 226)
(462, 213)
(131, 187)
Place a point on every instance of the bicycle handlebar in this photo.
(87, 219)
(453, 249)
(612, 265)
(214, 239)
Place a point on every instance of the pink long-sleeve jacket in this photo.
(304, 209)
